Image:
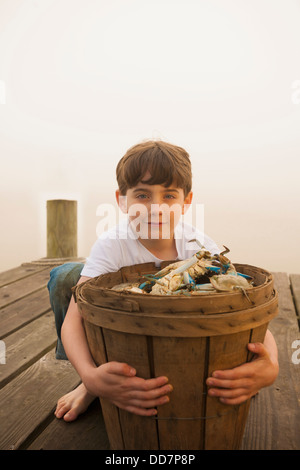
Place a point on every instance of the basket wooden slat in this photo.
(180, 324)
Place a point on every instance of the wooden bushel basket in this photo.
(184, 338)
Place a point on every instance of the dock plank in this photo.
(274, 418)
(28, 401)
(21, 288)
(20, 272)
(295, 287)
(27, 345)
(86, 433)
(23, 311)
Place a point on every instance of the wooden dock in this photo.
(32, 380)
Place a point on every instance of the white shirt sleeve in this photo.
(105, 257)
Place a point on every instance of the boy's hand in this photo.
(234, 386)
(118, 383)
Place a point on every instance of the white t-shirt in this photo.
(120, 247)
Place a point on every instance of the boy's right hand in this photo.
(117, 382)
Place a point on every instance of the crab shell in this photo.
(168, 283)
(228, 282)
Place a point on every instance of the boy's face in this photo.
(154, 210)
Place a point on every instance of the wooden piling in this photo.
(61, 229)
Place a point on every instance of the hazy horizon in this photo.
(81, 82)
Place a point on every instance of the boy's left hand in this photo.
(234, 386)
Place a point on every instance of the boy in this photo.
(155, 177)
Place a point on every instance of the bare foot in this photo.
(74, 403)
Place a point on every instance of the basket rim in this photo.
(91, 284)
(192, 324)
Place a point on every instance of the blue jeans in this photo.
(62, 279)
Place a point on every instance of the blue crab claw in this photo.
(217, 269)
(250, 278)
(144, 284)
(226, 266)
(151, 279)
(245, 276)
(214, 269)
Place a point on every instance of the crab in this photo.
(176, 276)
(183, 274)
(128, 287)
(201, 273)
(230, 282)
(169, 283)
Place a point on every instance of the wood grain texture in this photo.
(181, 324)
(30, 399)
(21, 288)
(138, 432)
(86, 433)
(180, 422)
(15, 274)
(110, 412)
(23, 311)
(274, 417)
(61, 228)
(295, 289)
(27, 345)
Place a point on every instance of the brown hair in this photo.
(167, 164)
